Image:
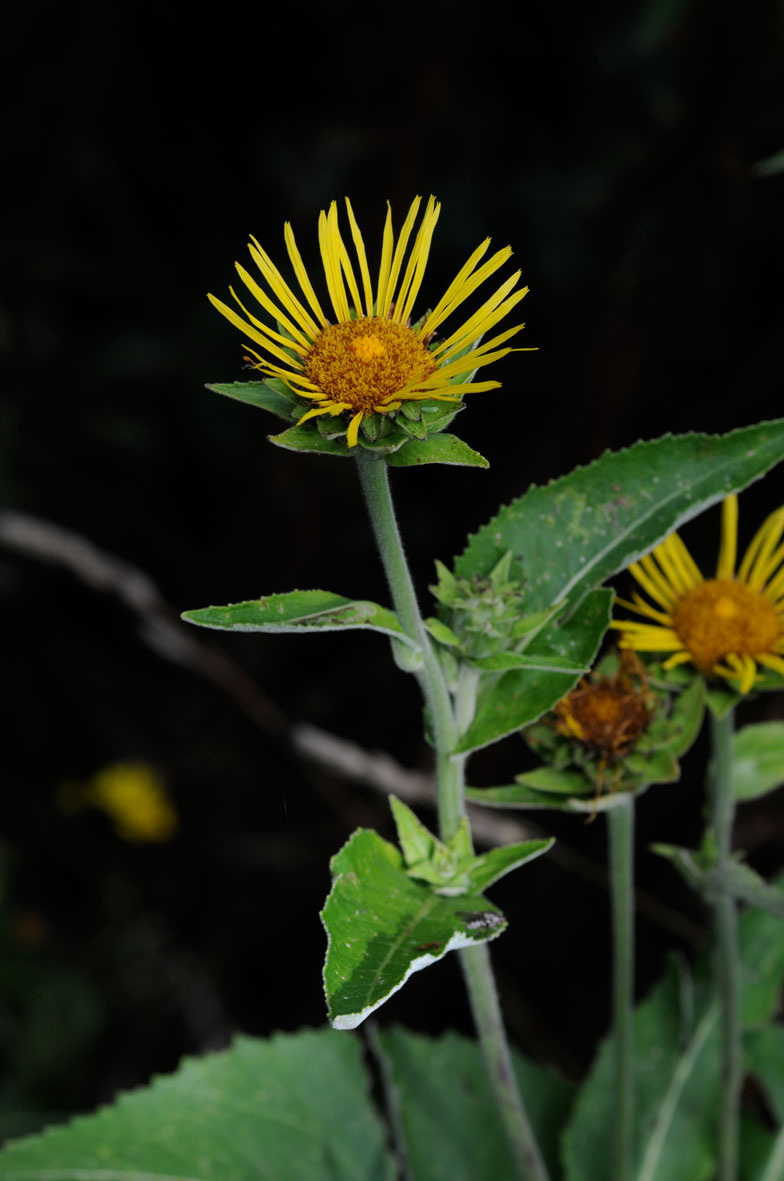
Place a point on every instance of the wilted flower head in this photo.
(364, 356)
(724, 626)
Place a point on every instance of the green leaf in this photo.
(382, 926)
(676, 1087)
(576, 532)
(300, 611)
(698, 871)
(583, 797)
(278, 399)
(446, 1115)
(441, 448)
(758, 760)
(503, 661)
(516, 698)
(764, 1055)
(720, 700)
(294, 1107)
(417, 843)
(496, 863)
(306, 438)
(677, 1068)
(440, 632)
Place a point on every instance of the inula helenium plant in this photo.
(510, 644)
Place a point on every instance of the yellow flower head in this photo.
(725, 626)
(134, 798)
(367, 357)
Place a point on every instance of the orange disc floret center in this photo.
(722, 616)
(605, 715)
(365, 363)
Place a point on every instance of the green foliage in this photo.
(758, 760)
(579, 530)
(292, 1108)
(272, 395)
(699, 868)
(444, 448)
(454, 868)
(405, 439)
(300, 611)
(382, 926)
(677, 1068)
(299, 1108)
(511, 700)
(446, 1116)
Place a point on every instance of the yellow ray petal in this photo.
(387, 243)
(397, 258)
(685, 562)
(464, 284)
(652, 581)
(771, 661)
(728, 548)
(281, 290)
(762, 567)
(412, 280)
(330, 247)
(302, 275)
(353, 429)
(359, 246)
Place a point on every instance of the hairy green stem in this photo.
(443, 718)
(478, 975)
(726, 951)
(621, 827)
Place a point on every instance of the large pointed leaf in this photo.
(291, 1108)
(447, 1116)
(382, 926)
(517, 698)
(300, 611)
(576, 532)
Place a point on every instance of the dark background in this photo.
(615, 147)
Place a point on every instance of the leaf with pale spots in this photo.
(577, 531)
(382, 926)
(300, 611)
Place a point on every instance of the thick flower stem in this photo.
(621, 827)
(451, 807)
(726, 951)
(480, 982)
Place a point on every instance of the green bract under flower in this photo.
(366, 358)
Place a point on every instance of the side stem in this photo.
(451, 808)
(727, 960)
(621, 830)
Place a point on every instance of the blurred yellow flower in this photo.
(369, 358)
(725, 626)
(134, 798)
